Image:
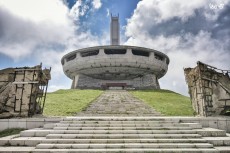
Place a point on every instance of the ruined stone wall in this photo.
(209, 89)
(22, 91)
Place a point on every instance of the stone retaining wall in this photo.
(222, 123)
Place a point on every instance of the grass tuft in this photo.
(69, 102)
(166, 102)
(12, 131)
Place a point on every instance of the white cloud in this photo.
(42, 30)
(37, 11)
(185, 49)
(108, 12)
(97, 4)
(25, 27)
(160, 10)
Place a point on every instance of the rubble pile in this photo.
(23, 91)
(209, 89)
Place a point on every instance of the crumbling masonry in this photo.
(209, 89)
(23, 91)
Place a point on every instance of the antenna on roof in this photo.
(114, 30)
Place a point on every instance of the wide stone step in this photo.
(210, 132)
(207, 132)
(112, 118)
(123, 132)
(33, 141)
(25, 141)
(35, 133)
(124, 145)
(120, 136)
(107, 113)
(10, 149)
(117, 122)
(122, 125)
(130, 150)
(218, 141)
(100, 141)
(122, 128)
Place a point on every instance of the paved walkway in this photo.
(118, 103)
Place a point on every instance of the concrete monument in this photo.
(115, 65)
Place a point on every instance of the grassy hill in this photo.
(167, 102)
(69, 102)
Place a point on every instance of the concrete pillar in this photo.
(78, 55)
(152, 56)
(75, 82)
(101, 52)
(129, 52)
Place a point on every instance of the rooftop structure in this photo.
(115, 66)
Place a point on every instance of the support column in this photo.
(75, 82)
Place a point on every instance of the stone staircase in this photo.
(118, 134)
(118, 103)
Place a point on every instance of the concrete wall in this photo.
(145, 82)
(222, 123)
(26, 123)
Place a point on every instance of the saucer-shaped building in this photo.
(115, 66)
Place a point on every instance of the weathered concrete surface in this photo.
(19, 90)
(118, 103)
(138, 67)
(209, 89)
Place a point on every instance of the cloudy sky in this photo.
(34, 31)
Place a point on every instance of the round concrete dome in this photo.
(115, 62)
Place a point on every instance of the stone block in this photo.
(34, 124)
(32, 142)
(4, 124)
(18, 142)
(213, 124)
(222, 124)
(17, 123)
(228, 126)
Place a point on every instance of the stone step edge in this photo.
(118, 136)
(124, 145)
(122, 118)
(203, 132)
(27, 141)
(181, 150)
(121, 128)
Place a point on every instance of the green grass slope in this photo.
(166, 102)
(68, 102)
(8, 132)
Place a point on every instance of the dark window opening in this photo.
(115, 51)
(90, 53)
(167, 61)
(140, 53)
(159, 57)
(62, 62)
(70, 58)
